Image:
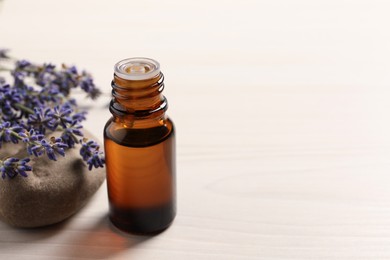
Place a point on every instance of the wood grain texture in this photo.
(282, 115)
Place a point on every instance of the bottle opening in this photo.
(137, 68)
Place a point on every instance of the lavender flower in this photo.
(61, 80)
(87, 84)
(45, 75)
(42, 119)
(9, 100)
(62, 115)
(55, 146)
(13, 166)
(9, 133)
(69, 134)
(58, 147)
(4, 54)
(79, 117)
(32, 140)
(25, 65)
(91, 154)
(29, 113)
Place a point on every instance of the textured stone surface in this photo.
(52, 192)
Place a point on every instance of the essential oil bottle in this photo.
(139, 143)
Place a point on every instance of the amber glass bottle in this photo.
(139, 143)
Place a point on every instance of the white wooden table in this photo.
(282, 110)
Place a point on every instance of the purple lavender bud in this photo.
(50, 154)
(79, 117)
(72, 70)
(4, 54)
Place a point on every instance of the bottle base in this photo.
(124, 229)
(146, 221)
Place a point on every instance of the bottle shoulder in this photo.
(125, 134)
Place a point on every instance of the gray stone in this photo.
(52, 192)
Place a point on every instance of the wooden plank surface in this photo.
(282, 111)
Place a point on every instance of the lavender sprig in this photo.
(61, 80)
(37, 145)
(11, 167)
(30, 113)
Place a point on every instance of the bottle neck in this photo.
(138, 102)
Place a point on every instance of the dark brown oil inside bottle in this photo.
(140, 160)
(141, 177)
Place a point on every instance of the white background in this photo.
(282, 112)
